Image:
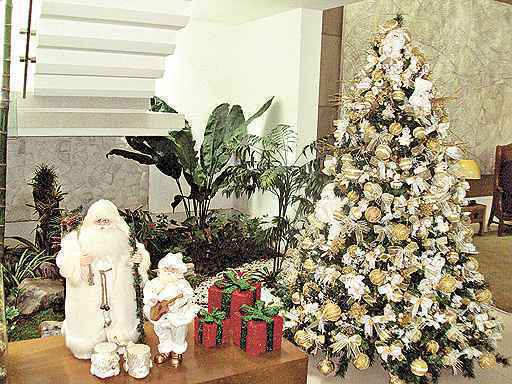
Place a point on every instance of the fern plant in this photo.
(268, 164)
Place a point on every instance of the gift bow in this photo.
(232, 281)
(351, 342)
(424, 302)
(259, 312)
(216, 316)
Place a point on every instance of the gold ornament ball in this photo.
(383, 152)
(309, 265)
(447, 284)
(419, 133)
(416, 336)
(487, 361)
(395, 129)
(432, 347)
(405, 164)
(483, 296)
(395, 380)
(453, 257)
(356, 213)
(347, 270)
(331, 312)
(326, 367)
(377, 75)
(362, 362)
(398, 95)
(400, 232)
(373, 214)
(302, 340)
(353, 196)
(472, 264)
(296, 298)
(434, 145)
(372, 191)
(419, 367)
(377, 277)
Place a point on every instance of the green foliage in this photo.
(27, 327)
(47, 194)
(176, 156)
(17, 269)
(268, 164)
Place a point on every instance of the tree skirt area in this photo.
(377, 375)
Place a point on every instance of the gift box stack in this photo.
(235, 309)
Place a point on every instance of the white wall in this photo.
(245, 64)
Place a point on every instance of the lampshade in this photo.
(469, 169)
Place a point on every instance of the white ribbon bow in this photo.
(352, 343)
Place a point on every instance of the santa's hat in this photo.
(173, 261)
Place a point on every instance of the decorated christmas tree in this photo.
(385, 268)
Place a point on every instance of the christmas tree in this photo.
(385, 268)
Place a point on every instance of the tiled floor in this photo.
(377, 375)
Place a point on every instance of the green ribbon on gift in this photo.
(230, 283)
(258, 312)
(215, 316)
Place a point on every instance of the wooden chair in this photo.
(502, 195)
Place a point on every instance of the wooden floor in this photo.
(48, 361)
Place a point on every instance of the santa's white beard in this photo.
(104, 244)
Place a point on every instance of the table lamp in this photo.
(470, 170)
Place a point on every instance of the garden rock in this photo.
(50, 328)
(38, 294)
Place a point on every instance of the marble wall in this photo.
(84, 172)
(469, 45)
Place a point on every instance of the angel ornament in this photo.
(421, 98)
(169, 304)
(393, 43)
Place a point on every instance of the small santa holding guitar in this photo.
(169, 304)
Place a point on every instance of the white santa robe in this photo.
(172, 327)
(85, 323)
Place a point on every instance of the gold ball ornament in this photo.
(405, 164)
(372, 191)
(356, 213)
(373, 214)
(432, 347)
(395, 128)
(400, 232)
(309, 265)
(302, 339)
(353, 197)
(419, 367)
(347, 270)
(483, 296)
(296, 298)
(362, 362)
(471, 264)
(396, 380)
(326, 367)
(398, 96)
(383, 152)
(453, 257)
(377, 75)
(416, 336)
(331, 312)
(377, 277)
(434, 145)
(419, 133)
(447, 284)
(487, 361)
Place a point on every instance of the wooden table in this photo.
(48, 361)
(477, 215)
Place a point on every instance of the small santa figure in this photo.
(169, 304)
(97, 262)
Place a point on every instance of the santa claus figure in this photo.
(97, 262)
(169, 304)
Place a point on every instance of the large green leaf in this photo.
(165, 156)
(260, 112)
(213, 143)
(185, 150)
(139, 158)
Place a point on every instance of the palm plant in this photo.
(176, 156)
(47, 194)
(267, 163)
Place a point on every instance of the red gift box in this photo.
(209, 335)
(227, 295)
(257, 337)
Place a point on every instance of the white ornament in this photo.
(393, 44)
(420, 99)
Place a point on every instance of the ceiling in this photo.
(241, 11)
